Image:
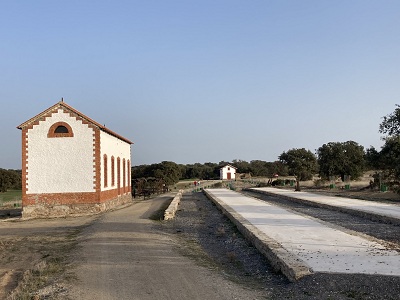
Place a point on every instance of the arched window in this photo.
(60, 129)
(112, 171)
(119, 175)
(105, 171)
(124, 174)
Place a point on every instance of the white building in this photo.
(72, 164)
(227, 173)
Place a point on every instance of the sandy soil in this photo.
(35, 245)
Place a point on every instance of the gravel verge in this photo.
(208, 237)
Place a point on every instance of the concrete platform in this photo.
(299, 245)
(389, 213)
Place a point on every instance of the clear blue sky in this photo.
(203, 81)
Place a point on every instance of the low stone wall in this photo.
(281, 259)
(66, 210)
(173, 207)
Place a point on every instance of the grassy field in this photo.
(13, 196)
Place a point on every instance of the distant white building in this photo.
(72, 165)
(227, 173)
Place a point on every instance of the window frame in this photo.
(52, 130)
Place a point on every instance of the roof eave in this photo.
(63, 104)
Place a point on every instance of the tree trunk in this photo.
(297, 185)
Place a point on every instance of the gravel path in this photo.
(124, 255)
(210, 238)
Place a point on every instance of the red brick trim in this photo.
(60, 198)
(53, 134)
(97, 162)
(52, 110)
(24, 163)
(55, 209)
(79, 116)
(71, 198)
(108, 195)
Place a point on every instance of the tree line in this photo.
(173, 172)
(10, 179)
(332, 160)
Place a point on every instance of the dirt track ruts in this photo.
(125, 255)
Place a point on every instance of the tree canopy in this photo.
(301, 163)
(207, 170)
(389, 158)
(10, 179)
(391, 123)
(168, 171)
(340, 159)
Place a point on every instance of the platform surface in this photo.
(373, 207)
(322, 246)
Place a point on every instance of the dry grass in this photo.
(35, 256)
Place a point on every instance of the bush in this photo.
(319, 182)
(278, 182)
(217, 185)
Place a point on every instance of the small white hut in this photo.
(227, 172)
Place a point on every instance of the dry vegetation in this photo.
(34, 254)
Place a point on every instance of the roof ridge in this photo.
(77, 112)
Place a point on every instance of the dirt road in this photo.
(32, 251)
(124, 256)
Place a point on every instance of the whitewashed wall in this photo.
(60, 165)
(224, 171)
(112, 146)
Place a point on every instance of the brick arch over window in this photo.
(60, 129)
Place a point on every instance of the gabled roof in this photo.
(66, 107)
(228, 165)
